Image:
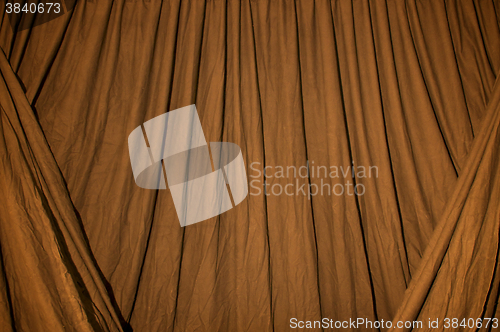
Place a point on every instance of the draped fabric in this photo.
(409, 87)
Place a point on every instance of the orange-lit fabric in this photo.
(407, 86)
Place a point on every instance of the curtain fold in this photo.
(52, 277)
(461, 259)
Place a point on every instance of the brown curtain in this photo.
(407, 86)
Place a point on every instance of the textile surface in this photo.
(409, 87)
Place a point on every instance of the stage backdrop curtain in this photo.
(409, 87)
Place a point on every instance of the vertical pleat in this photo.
(405, 89)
